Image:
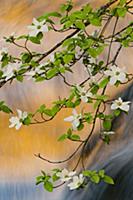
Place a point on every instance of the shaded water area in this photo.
(18, 165)
(116, 160)
(24, 191)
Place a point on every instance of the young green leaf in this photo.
(48, 186)
(62, 137)
(108, 179)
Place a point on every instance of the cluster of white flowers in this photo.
(9, 70)
(16, 121)
(37, 27)
(119, 104)
(33, 72)
(74, 119)
(38, 70)
(65, 176)
(116, 74)
(84, 95)
(77, 181)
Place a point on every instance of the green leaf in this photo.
(40, 36)
(34, 40)
(77, 102)
(122, 2)
(40, 78)
(62, 137)
(44, 174)
(88, 117)
(95, 20)
(93, 175)
(67, 42)
(27, 121)
(117, 112)
(55, 177)
(55, 109)
(107, 125)
(103, 83)
(19, 78)
(94, 52)
(68, 24)
(95, 178)
(121, 11)
(39, 180)
(51, 73)
(41, 109)
(94, 89)
(75, 137)
(48, 112)
(80, 25)
(77, 15)
(22, 37)
(101, 173)
(67, 7)
(87, 9)
(68, 58)
(70, 104)
(87, 173)
(108, 179)
(48, 186)
(5, 109)
(80, 127)
(69, 133)
(97, 103)
(26, 58)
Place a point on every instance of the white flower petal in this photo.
(125, 107)
(113, 80)
(44, 29)
(84, 98)
(18, 125)
(24, 115)
(69, 119)
(35, 22)
(19, 113)
(114, 106)
(108, 73)
(122, 77)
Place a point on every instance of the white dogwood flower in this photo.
(33, 72)
(37, 27)
(77, 182)
(116, 74)
(3, 51)
(9, 70)
(65, 175)
(119, 104)
(74, 119)
(84, 95)
(16, 121)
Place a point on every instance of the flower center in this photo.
(83, 94)
(117, 73)
(119, 103)
(38, 27)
